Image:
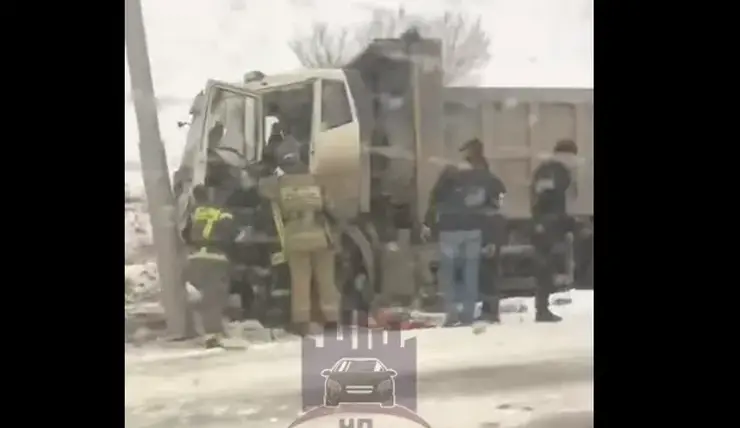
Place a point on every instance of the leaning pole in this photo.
(160, 200)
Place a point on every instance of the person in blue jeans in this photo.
(461, 203)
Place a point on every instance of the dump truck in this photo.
(379, 132)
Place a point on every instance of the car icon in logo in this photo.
(359, 380)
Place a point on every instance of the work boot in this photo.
(544, 315)
(491, 312)
(455, 321)
(490, 318)
(452, 320)
(542, 308)
(212, 341)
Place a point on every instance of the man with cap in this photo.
(460, 202)
(494, 233)
(551, 186)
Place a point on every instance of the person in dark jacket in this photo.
(551, 183)
(210, 234)
(494, 234)
(245, 204)
(460, 202)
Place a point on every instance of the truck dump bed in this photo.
(519, 128)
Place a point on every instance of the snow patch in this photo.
(140, 269)
(137, 230)
(142, 283)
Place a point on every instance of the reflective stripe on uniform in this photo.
(203, 253)
(277, 216)
(210, 216)
(278, 257)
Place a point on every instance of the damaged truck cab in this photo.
(314, 107)
(317, 108)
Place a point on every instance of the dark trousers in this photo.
(544, 276)
(243, 288)
(211, 278)
(549, 243)
(495, 232)
(489, 277)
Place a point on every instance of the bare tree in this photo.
(465, 44)
(322, 48)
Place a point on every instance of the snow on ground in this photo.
(139, 266)
(275, 370)
(137, 228)
(513, 374)
(569, 405)
(513, 323)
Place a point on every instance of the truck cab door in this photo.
(336, 155)
(232, 127)
(336, 142)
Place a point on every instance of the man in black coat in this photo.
(210, 233)
(494, 234)
(463, 198)
(551, 183)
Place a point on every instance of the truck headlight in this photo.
(385, 385)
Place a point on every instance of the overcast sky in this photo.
(534, 43)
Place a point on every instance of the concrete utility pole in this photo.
(160, 200)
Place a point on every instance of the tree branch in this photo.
(465, 43)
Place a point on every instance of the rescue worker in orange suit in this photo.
(302, 222)
(550, 189)
(210, 233)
